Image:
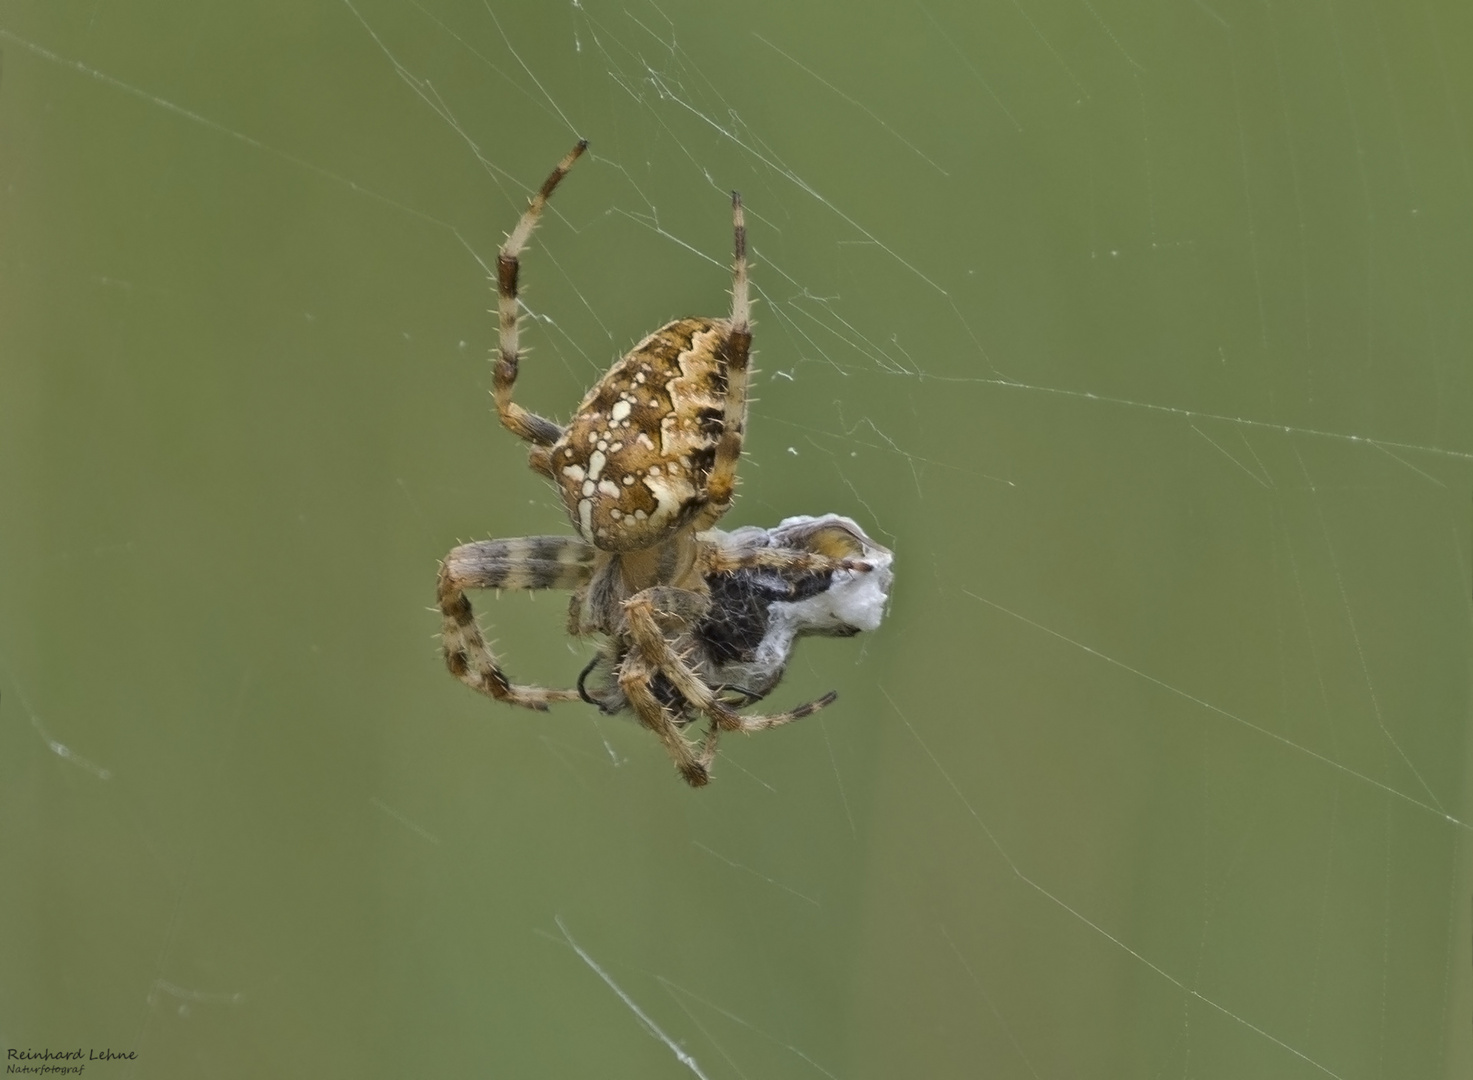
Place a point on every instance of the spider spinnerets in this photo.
(696, 621)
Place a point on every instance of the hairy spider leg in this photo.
(635, 676)
(642, 611)
(722, 561)
(721, 483)
(531, 562)
(521, 423)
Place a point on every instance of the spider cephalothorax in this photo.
(696, 621)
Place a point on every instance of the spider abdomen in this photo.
(633, 464)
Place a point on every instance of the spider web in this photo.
(1137, 332)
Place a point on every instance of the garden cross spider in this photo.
(696, 620)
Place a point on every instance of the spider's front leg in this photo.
(799, 546)
(533, 562)
(643, 611)
(717, 560)
(636, 678)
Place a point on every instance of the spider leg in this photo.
(533, 562)
(717, 560)
(641, 611)
(749, 724)
(721, 483)
(635, 676)
(525, 425)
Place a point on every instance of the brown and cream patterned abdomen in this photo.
(633, 463)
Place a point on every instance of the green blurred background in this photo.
(1138, 330)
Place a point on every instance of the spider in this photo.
(696, 622)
